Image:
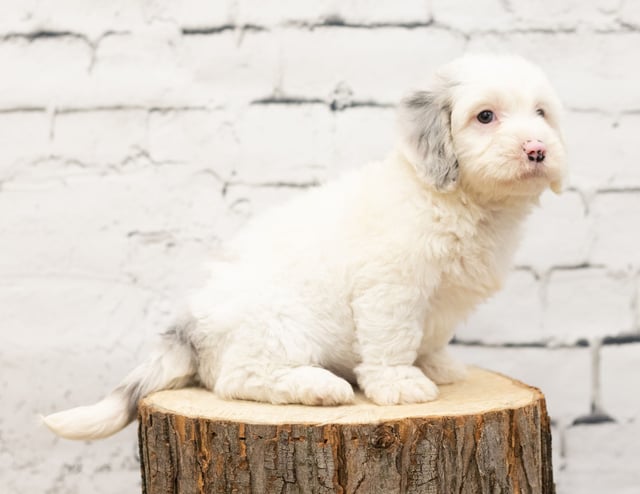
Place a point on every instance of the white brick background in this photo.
(135, 135)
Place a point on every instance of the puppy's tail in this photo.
(173, 365)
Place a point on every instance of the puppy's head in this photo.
(488, 125)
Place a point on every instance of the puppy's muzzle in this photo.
(535, 150)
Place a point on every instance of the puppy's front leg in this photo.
(389, 321)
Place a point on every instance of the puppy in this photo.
(363, 280)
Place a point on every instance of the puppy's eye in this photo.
(485, 116)
(540, 112)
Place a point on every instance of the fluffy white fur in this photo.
(362, 281)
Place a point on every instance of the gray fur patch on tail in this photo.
(132, 394)
(152, 376)
(172, 365)
(181, 330)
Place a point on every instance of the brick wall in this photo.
(137, 135)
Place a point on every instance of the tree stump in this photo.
(488, 434)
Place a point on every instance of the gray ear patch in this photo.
(425, 126)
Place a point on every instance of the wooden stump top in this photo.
(489, 433)
(483, 391)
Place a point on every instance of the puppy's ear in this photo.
(424, 119)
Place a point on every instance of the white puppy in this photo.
(363, 280)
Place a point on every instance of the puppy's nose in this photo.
(535, 150)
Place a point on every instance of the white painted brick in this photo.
(16, 16)
(601, 458)
(622, 157)
(362, 135)
(229, 67)
(379, 64)
(108, 310)
(160, 68)
(556, 451)
(24, 138)
(629, 13)
(105, 137)
(637, 306)
(42, 72)
(487, 14)
(119, 227)
(144, 68)
(203, 137)
(620, 373)
(98, 18)
(244, 202)
(568, 14)
(267, 143)
(284, 143)
(58, 228)
(349, 11)
(616, 243)
(83, 332)
(198, 13)
(600, 75)
(558, 233)
(600, 150)
(521, 15)
(561, 373)
(173, 263)
(588, 303)
(513, 315)
(47, 464)
(79, 16)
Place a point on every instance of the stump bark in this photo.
(488, 434)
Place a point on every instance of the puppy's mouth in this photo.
(533, 170)
(531, 176)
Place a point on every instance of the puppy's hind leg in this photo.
(441, 367)
(273, 357)
(280, 384)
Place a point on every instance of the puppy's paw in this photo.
(311, 386)
(442, 368)
(395, 385)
